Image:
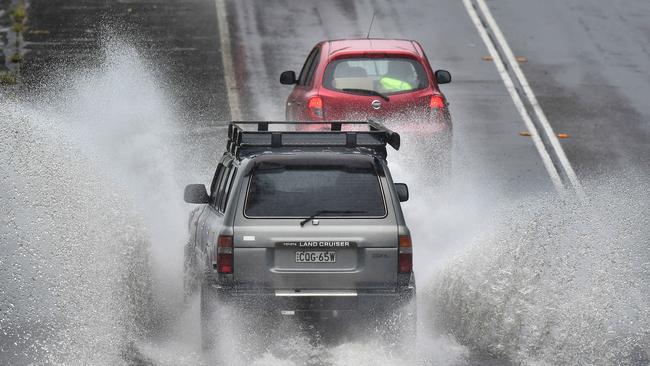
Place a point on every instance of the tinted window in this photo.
(383, 75)
(305, 68)
(218, 177)
(312, 68)
(300, 191)
(222, 186)
(223, 200)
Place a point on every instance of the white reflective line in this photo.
(519, 104)
(532, 99)
(293, 293)
(228, 65)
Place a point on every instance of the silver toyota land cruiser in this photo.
(303, 223)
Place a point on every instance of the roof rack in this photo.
(245, 140)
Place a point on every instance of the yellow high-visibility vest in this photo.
(389, 83)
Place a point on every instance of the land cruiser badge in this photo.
(317, 244)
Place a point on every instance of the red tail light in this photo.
(436, 102)
(223, 261)
(405, 254)
(315, 107)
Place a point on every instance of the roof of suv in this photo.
(374, 45)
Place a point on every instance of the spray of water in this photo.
(549, 282)
(92, 229)
(68, 244)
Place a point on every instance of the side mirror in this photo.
(288, 78)
(443, 77)
(402, 191)
(196, 193)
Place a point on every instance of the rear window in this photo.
(301, 191)
(382, 75)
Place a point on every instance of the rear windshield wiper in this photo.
(317, 213)
(367, 92)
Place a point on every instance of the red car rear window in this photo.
(383, 75)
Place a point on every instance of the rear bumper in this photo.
(317, 303)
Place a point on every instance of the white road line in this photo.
(507, 80)
(228, 65)
(550, 134)
(519, 104)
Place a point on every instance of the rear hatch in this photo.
(348, 237)
(375, 86)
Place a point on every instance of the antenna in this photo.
(371, 21)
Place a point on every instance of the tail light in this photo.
(437, 102)
(315, 107)
(405, 252)
(437, 109)
(223, 261)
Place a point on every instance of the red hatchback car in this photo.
(357, 79)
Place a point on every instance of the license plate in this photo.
(315, 257)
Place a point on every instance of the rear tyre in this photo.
(191, 281)
(408, 316)
(397, 328)
(402, 335)
(209, 307)
(232, 331)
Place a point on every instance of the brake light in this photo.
(405, 253)
(223, 261)
(315, 107)
(436, 102)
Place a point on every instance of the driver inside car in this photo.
(397, 76)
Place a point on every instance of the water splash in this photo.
(90, 235)
(556, 283)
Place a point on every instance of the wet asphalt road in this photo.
(587, 62)
(487, 145)
(179, 39)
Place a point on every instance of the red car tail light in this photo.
(436, 102)
(223, 261)
(405, 253)
(315, 107)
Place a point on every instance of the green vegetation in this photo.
(18, 27)
(18, 17)
(19, 13)
(8, 78)
(16, 58)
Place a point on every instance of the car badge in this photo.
(376, 104)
